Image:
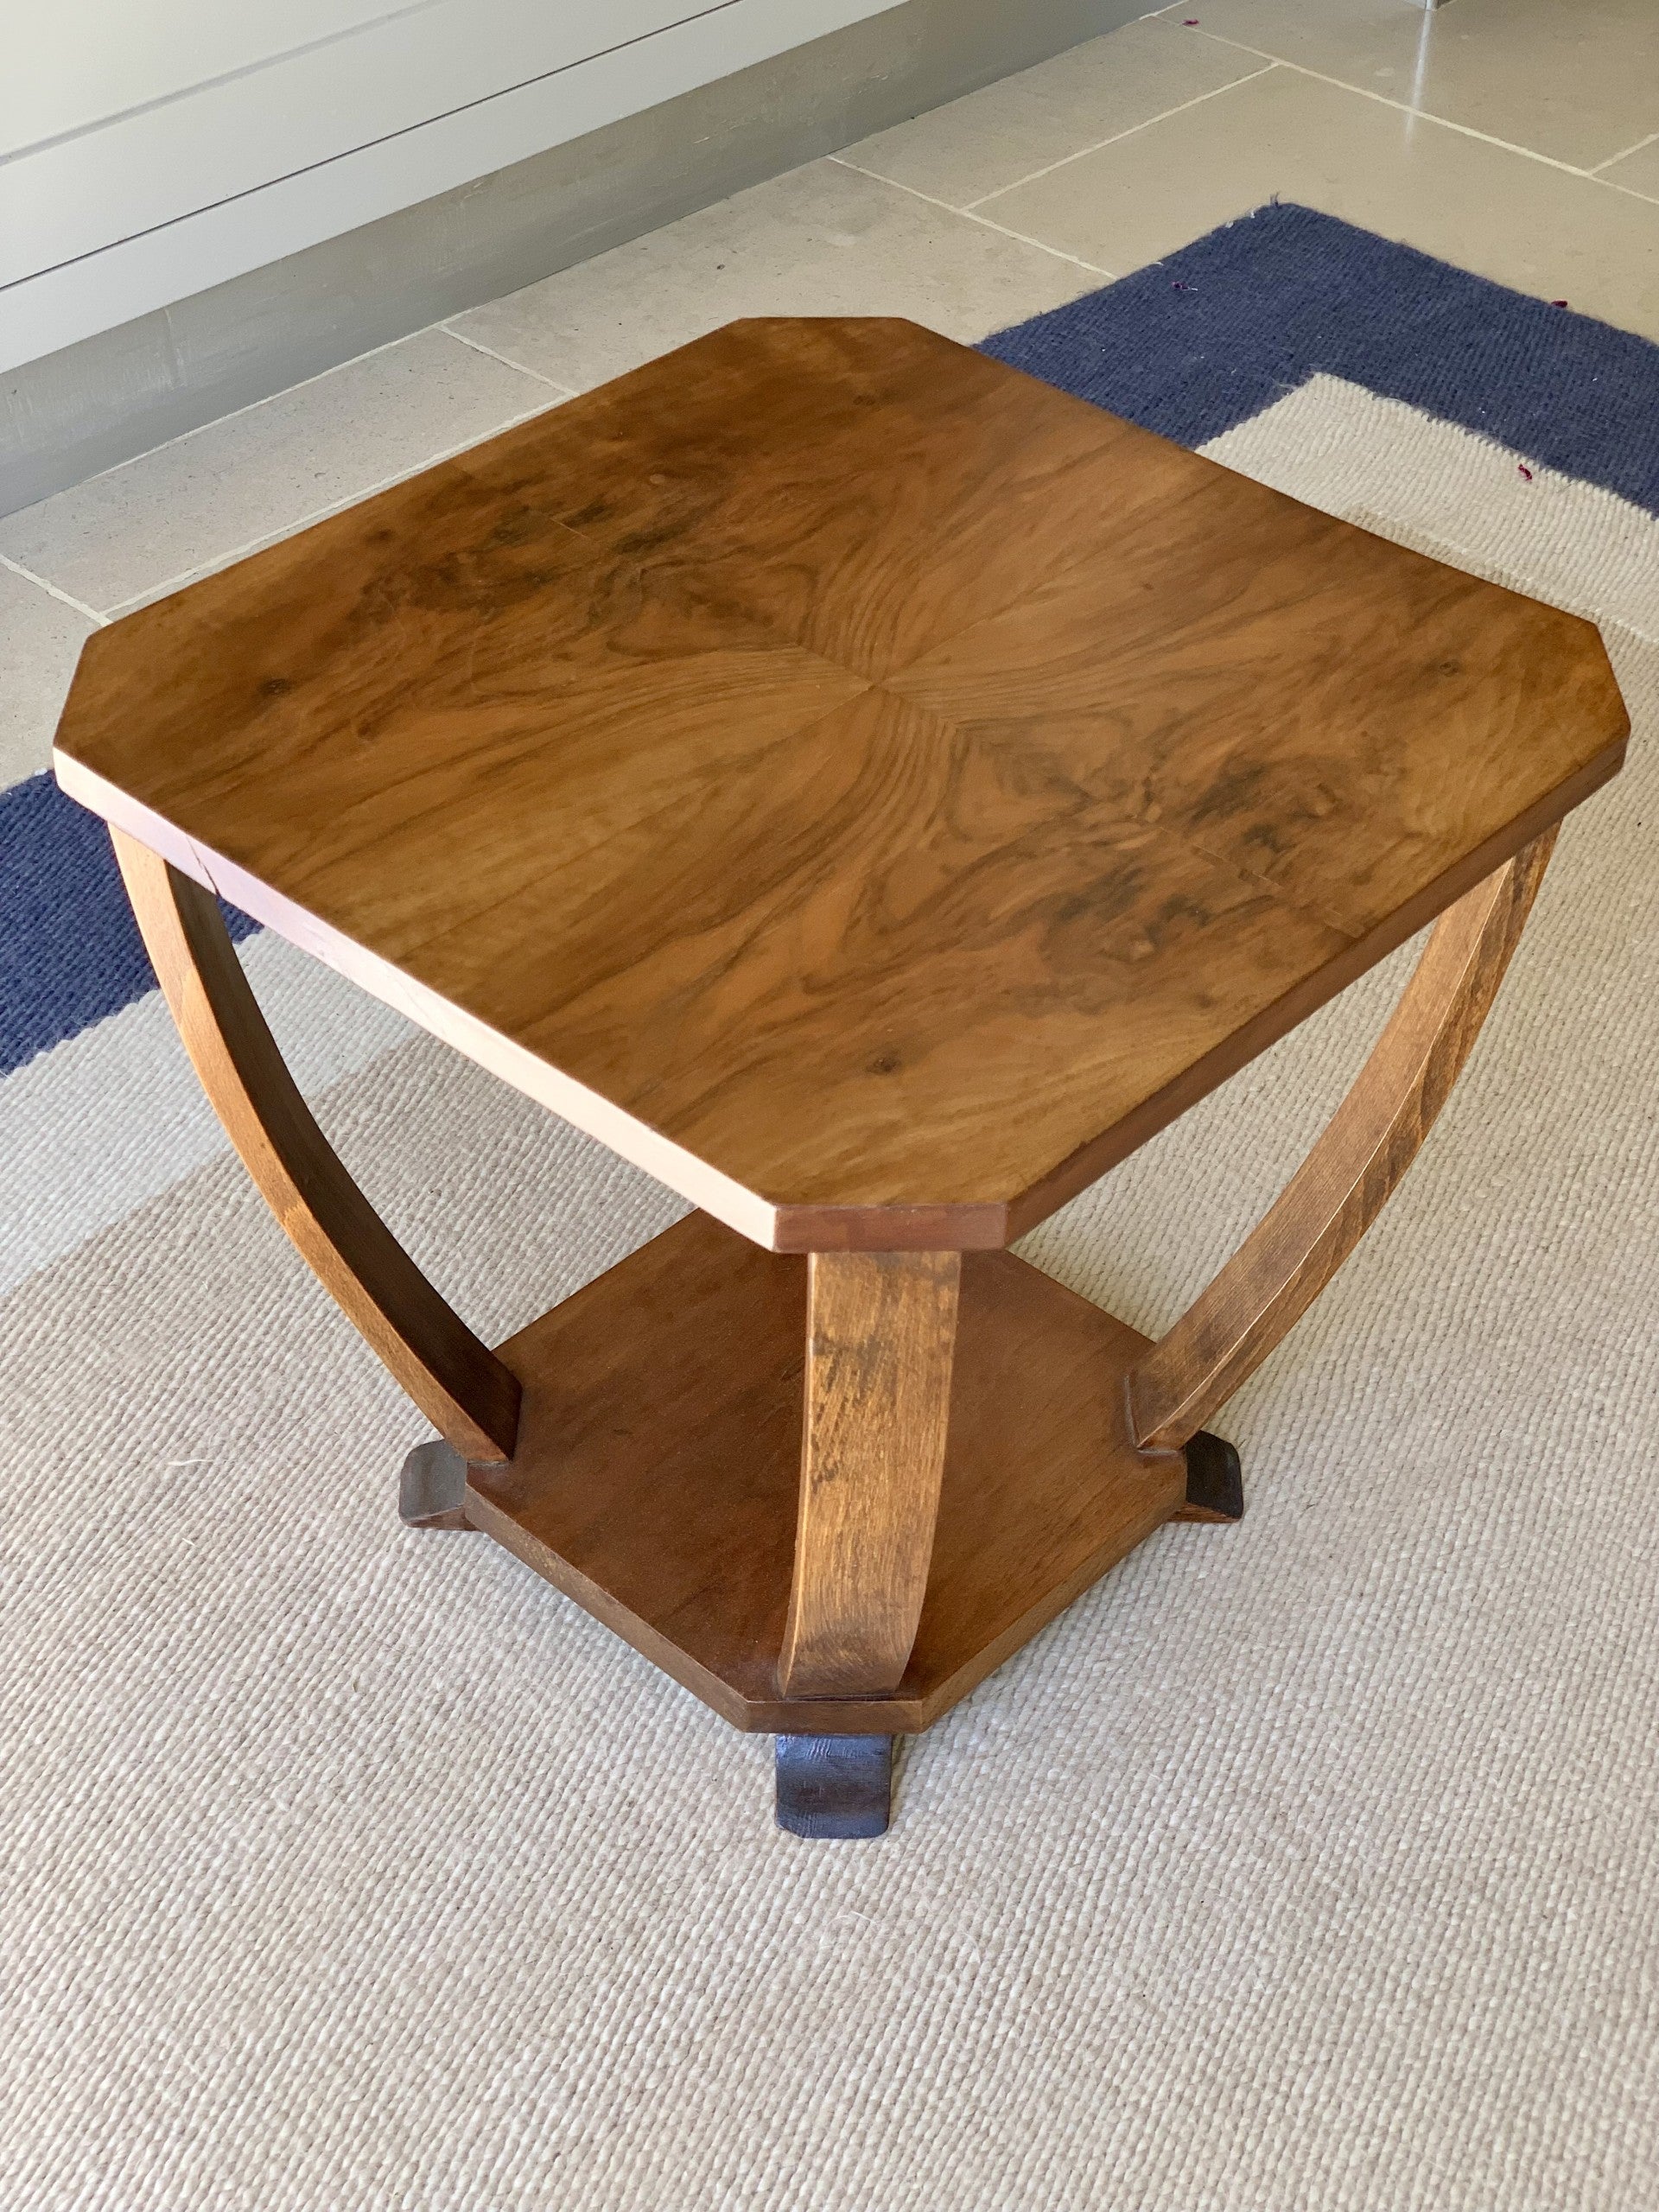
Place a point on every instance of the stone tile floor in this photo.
(1518, 138)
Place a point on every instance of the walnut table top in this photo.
(870, 790)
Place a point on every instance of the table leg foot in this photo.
(835, 1786)
(1215, 1482)
(432, 1489)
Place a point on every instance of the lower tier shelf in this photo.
(657, 1470)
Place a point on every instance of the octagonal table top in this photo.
(869, 789)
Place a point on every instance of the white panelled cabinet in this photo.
(151, 148)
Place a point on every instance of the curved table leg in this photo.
(880, 1344)
(1341, 1187)
(880, 1341)
(460, 1386)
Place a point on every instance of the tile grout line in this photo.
(285, 391)
(1463, 130)
(984, 222)
(151, 593)
(249, 408)
(1269, 63)
(1403, 107)
(565, 390)
(1024, 238)
(1623, 155)
(1197, 100)
(1629, 192)
(53, 591)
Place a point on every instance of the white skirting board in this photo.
(197, 354)
(104, 223)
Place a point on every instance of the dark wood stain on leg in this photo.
(834, 1787)
(1215, 1481)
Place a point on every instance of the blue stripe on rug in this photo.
(1197, 344)
(70, 952)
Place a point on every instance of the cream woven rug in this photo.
(1303, 1867)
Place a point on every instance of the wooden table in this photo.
(873, 792)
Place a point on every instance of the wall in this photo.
(108, 397)
(153, 148)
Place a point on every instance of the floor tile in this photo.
(1638, 172)
(995, 137)
(1576, 79)
(1523, 222)
(218, 491)
(40, 638)
(822, 240)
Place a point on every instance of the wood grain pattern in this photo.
(863, 487)
(657, 1480)
(458, 1384)
(880, 1342)
(1345, 1180)
(1340, 801)
(868, 789)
